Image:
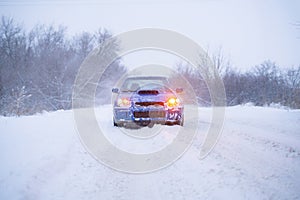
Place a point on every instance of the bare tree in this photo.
(292, 79)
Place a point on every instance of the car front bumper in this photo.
(157, 115)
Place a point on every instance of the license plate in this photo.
(149, 114)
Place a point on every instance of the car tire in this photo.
(180, 122)
(116, 124)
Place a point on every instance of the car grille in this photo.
(149, 103)
(149, 114)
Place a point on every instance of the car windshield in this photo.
(145, 83)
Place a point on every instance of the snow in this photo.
(257, 157)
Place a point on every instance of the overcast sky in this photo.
(249, 32)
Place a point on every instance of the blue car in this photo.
(145, 101)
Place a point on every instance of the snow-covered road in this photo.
(257, 157)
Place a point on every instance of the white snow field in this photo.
(256, 157)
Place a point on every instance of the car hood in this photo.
(136, 97)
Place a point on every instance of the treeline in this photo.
(38, 67)
(263, 85)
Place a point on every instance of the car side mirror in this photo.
(115, 90)
(179, 90)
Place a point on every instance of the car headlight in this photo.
(173, 102)
(123, 102)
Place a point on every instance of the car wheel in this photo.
(180, 122)
(116, 124)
